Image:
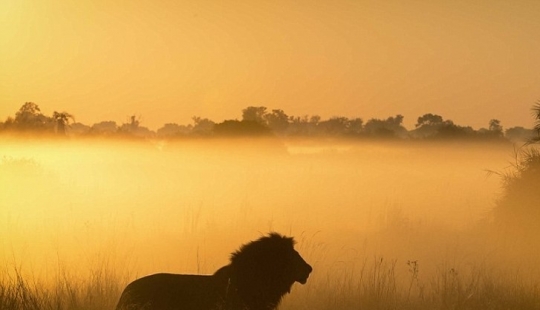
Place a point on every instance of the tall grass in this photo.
(379, 287)
(375, 285)
(24, 292)
(183, 209)
(342, 279)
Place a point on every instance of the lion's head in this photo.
(265, 269)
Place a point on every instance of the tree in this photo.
(104, 128)
(494, 131)
(536, 114)
(256, 114)
(62, 120)
(314, 119)
(429, 120)
(28, 108)
(133, 128)
(428, 125)
(518, 134)
(356, 126)
(449, 130)
(134, 122)
(391, 127)
(278, 121)
(495, 127)
(29, 117)
(518, 205)
(341, 126)
(8, 124)
(303, 125)
(335, 126)
(395, 121)
(202, 126)
(174, 130)
(79, 129)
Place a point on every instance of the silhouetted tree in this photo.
(519, 204)
(29, 117)
(429, 120)
(518, 134)
(134, 122)
(174, 130)
(341, 126)
(449, 130)
(79, 129)
(314, 120)
(133, 128)
(391, 127)
(494, 130)
(356, 126)
(278, 121)
(202, 126)
(495, 126)
(28, 108)
(8, 124)
(433, 126)
(106, 128)
(536, 114)
(303, 126)
(256, 114)
(62, 120)
(427, 126)
(334, 126)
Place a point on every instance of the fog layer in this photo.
(145, 207)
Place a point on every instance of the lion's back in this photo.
(172, 291)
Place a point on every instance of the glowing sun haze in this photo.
(469, 61)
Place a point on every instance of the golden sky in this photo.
(168, 60)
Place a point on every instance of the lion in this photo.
(259, 274)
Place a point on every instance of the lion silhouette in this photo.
(259, 274)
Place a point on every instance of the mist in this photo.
(141, 207)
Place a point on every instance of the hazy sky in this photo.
(169, 60)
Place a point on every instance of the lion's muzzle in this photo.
(304, 277)
(302, 269)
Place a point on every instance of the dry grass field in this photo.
(385, 225)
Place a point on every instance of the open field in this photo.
(386, 225)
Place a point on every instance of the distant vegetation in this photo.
(259, 121)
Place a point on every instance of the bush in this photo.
(519, 204)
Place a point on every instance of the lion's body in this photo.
(176, 291)
(259, 275)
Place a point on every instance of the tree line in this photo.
(257, 121)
